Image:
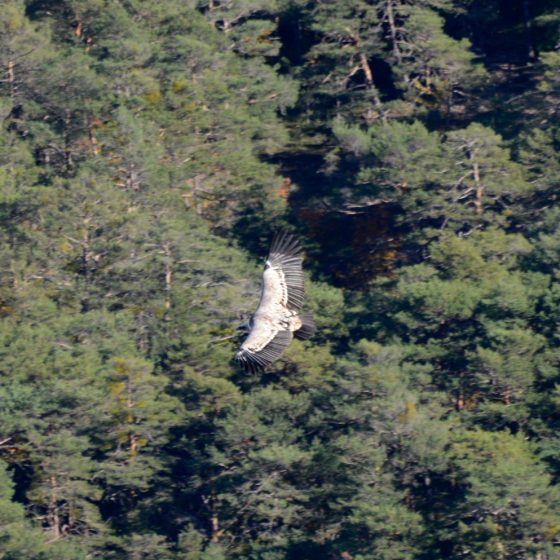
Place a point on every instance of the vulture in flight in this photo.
(277, 318)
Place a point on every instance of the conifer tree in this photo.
(145, 156)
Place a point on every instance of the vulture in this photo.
(277, 318)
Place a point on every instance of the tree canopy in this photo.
(148, 151)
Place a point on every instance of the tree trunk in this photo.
(211, 7)
(528, 31)
(92, 139)
(53, 517)
(168, 275)
(366, 69)
(12, 80)
(67, 150)
(132, 439)
(369, 79)
(479, 192)
(393, 31)
(214, 520)
(86, 249)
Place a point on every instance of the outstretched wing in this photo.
(282, 291)
(263, 346)
(283, 275)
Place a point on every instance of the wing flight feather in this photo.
(281, 298)
(261, 349)
(285, 258)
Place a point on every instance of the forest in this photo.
(148, 152)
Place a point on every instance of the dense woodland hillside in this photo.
(149, 149)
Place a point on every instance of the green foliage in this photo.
(509, 504)
(147, 152)
(462, 182)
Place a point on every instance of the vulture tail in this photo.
(308, 327)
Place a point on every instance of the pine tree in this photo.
(433, 68)
(509, 507)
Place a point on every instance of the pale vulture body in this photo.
(277, 318)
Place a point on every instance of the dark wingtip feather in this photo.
(285, 244)
(286, 253)
(248, 363)
(255, 362)
(308, 327)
